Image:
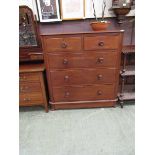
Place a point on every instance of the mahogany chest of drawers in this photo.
(83, 68)
(31, 86)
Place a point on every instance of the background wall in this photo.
(31, 4)
(89, 13)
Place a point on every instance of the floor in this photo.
(101, 131)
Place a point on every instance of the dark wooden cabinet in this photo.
(30, 48)
(32, 86)
(83, 68)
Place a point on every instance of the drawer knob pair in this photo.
(23, 88)
(101, 43)
(99, 77)
(66, 78)
(67, 94)
(27, 99)
(22, 77)
(64, 45)
(100, 60)
(65, 61)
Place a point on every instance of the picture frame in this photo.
(48, 10)
(72, 9)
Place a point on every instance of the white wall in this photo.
(98, 8)
(32, 5)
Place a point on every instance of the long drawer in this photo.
(26, 87)
(84, 93)
(31, 98)
(83, 60)
(82, 76)
(99, 42)
(58, 44)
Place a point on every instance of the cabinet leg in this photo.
(46, 107)
(121, 103)
(52, 107)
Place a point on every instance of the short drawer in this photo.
(31, 98)
(99, 42)
(84, 93)
(83, 76)
(26, 87)
(54, 44)
(83, 60)
(29, 77)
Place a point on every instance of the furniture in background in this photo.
(31, 68)
(30, 48)
(82, 65)
(127, 73)
(121, 8)
(127, 91)
(32, 85)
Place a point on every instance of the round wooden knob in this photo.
(66, 77)
(64, 45)
(65, 61)
(67, 94)
(22, 77)
(99, 76)
(100, 60)
(99, 92)
(101, 43)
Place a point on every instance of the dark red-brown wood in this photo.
(31, 53)
(83, 70)
(32, 86)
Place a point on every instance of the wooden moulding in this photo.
(83, 104)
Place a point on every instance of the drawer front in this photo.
(26, 87)
(83, 76)
(101, 42)
(84, 93)
(29, 77)
(62, 44)
(86, 60)
(30, 98)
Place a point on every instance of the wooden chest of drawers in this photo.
(31, 86)
(83, 68)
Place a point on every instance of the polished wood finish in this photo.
(29, 99)
(84, 93)
(32, 85)
(82, 67)
(29, 87)
(99, 42)
(87, 59)
(83, 104)
(29, 77)
(83, 76)
(83, 26)
(65, 43)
